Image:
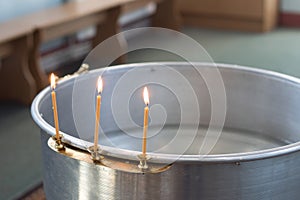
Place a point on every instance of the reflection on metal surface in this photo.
(83, 182)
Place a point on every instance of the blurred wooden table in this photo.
(70, 18)
(21, 75)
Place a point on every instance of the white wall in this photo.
(290, 6)
(13, 8)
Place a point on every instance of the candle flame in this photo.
(146, 96)
(52, 81)
(100, 85)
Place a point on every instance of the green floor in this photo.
(20, 166)
(278, 50)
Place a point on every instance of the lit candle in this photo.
(146, 113)
(98, 107)
(54, 106)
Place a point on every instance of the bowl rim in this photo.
(167, 158)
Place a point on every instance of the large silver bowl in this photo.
(239, 141)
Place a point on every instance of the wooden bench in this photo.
(166, 15)
(16, 80)
(20, 39)
(72, 17)
(245, 15)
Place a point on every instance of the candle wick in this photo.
(52, 88)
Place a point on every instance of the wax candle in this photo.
(98, 108)
(54, 106)
(146, 113)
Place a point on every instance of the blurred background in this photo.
(42, 36)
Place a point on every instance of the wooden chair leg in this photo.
(16, 80)
(167, 15)
(39, 75)
(108, 28)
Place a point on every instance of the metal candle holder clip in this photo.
(96, 156)
(84, 68)
(58, 142)
(143, 161)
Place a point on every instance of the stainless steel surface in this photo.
(274, 178)
(256, 156)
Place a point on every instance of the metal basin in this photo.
(216, 132)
